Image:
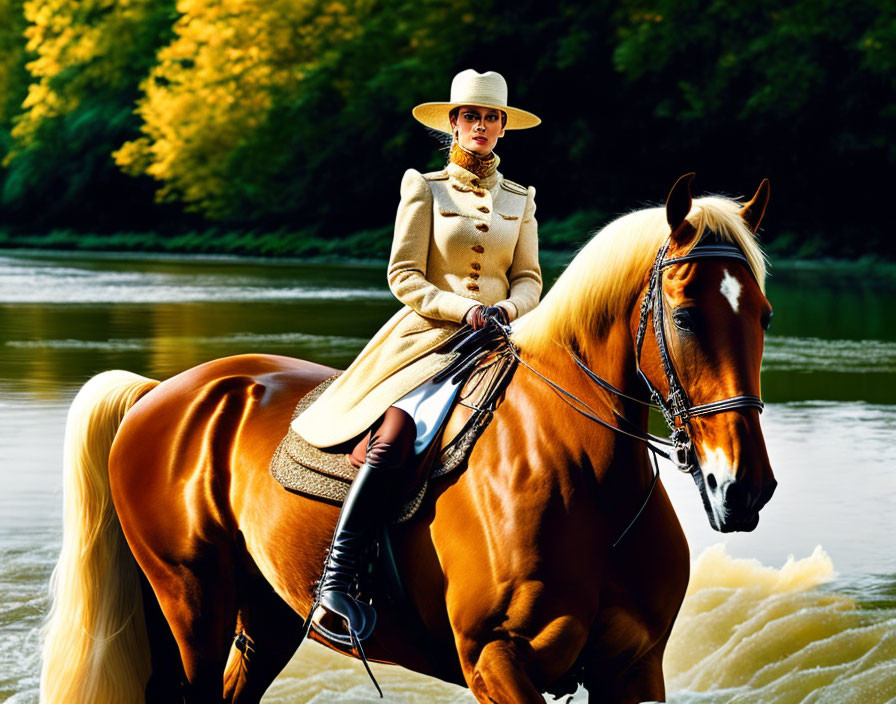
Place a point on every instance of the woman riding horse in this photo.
(465, 250)
(187, 572)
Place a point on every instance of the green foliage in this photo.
(312, 115)
(88, 58)
(13, 76)
(365, 245)
(292, 116)
(571, 232)
(800, 91)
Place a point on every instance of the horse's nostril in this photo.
(736, 495)
(711, 481)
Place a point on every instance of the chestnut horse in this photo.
(186, 570)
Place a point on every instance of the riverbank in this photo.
(559, 240)
(560, 235)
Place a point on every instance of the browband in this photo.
(708, 251)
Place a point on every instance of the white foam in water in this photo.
(746, 634)
(750, 633)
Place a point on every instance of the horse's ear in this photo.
(753, 211)
(678, 204)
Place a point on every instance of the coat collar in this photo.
(471, 180)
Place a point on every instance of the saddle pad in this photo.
(327, 474)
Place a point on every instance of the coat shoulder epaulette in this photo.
(436, 175)
(514, 187)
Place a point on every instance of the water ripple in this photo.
(328, 342)
(801, 354)
(26, 283)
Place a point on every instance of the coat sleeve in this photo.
(410, 251)
(524, 276)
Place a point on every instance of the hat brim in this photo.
(435, 116)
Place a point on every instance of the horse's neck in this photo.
(612, 357)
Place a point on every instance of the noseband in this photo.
(676, 408)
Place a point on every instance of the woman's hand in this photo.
(478, 316)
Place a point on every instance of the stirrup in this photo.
(351, 640)
(359, 618)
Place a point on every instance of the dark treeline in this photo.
(293, 116)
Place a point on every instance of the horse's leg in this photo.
(166, 680)
(497, 676)
(198, 600)
(642, 682)
(268, 633)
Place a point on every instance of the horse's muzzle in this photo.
(734, 505)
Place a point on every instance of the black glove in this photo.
(480, 315)
(497, 313)
(470, 348)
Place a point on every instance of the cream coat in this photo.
(460, 241)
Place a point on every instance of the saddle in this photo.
(485, 361)
(326, 474)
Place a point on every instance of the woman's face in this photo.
(478, 129)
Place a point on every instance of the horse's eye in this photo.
(767, 319)
(684, 319)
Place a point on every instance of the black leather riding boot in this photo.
(362, 512)
(353, 532)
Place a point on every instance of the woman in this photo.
(465, 250)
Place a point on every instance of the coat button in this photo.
(482, 227)
(478, 248)
(473, 275)
(473, 287)
(483, 209)
(476, 266)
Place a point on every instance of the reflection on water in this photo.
(829, 374)
(813, 354)
(43, 280)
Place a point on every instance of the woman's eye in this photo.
(470, 117)
(491, 118)
(683, 318)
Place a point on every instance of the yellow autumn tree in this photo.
(254, 102)
(87, 58)
(214, 85)
(13, 77)
(85, 49)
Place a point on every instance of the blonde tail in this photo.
(95, 644)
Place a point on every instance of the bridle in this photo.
(675, 407)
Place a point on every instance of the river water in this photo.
(801, 610)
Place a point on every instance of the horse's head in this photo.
(708, 316)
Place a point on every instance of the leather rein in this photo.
(676, 407)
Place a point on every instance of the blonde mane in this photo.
(611, 269)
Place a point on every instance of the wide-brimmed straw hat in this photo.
(486, 90)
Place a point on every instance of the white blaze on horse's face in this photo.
(718, 472)
(716, 463)
(731, 289)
